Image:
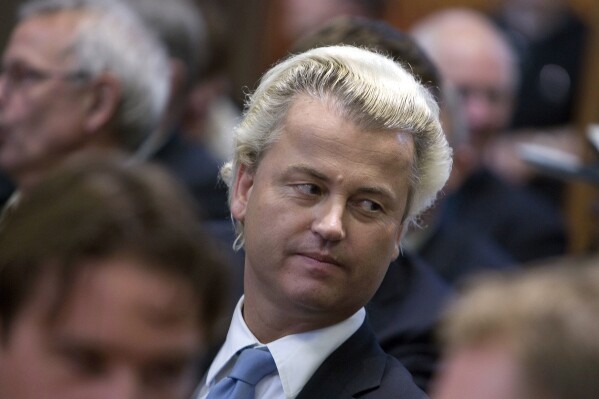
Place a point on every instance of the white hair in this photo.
(112, 39)
(372, 91)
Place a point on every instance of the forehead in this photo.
(44, 39)
(114, 296)
(312, 119)
(489, 370)
(476, 59)
(318, 134)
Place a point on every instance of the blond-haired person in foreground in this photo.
(530, 336)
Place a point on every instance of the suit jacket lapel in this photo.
(356, 366)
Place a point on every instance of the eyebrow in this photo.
(307, 170)
(378, 191)
(310, 171)
(68, 342)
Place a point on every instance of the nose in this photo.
(328, 221)
(478, 111)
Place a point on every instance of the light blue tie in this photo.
(252, 365)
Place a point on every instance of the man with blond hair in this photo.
(338, 151)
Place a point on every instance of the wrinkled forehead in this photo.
(59, 286)
(49, 36)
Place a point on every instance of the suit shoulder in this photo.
(396, 382)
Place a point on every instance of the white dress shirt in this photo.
(297, 356)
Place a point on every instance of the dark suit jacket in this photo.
(360, 369)
(197, 169)
(404, 314)
(525, 225)
(457, 252)
(192, 164)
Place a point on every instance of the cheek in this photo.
(24, 371)
(381, 241)
(272, 225)
(375, 250)
(27, 121)
(17, 116)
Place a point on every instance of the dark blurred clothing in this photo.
(457, 252)
(6, 188)
(193, 165)
(197, 169)
(551, 71)
(525, 225)
(224, 234)
(404, 313)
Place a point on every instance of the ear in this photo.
(103, 104)
(241, 193)
(397, 244)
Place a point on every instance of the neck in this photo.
(269, 320)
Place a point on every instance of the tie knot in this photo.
(253, 365)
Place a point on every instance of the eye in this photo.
(369, 206)
(308, 189)
(19, 74)
(83, 361)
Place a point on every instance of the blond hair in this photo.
(549, 317)
(371, 90)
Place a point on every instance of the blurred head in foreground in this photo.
(107, 288)
(528, 336)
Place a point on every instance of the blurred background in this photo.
(248, 36)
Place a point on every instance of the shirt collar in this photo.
(297, 356)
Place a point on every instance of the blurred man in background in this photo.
(77, 75)
(476, 59)
(180, 26)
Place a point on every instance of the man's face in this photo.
(322, 215)
(41, 102)
(485, 80)
(487, 371)
(122, 332)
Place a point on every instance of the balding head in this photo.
(473, 55)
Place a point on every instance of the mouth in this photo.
(321, 258)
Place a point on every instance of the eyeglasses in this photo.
(19, 76)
